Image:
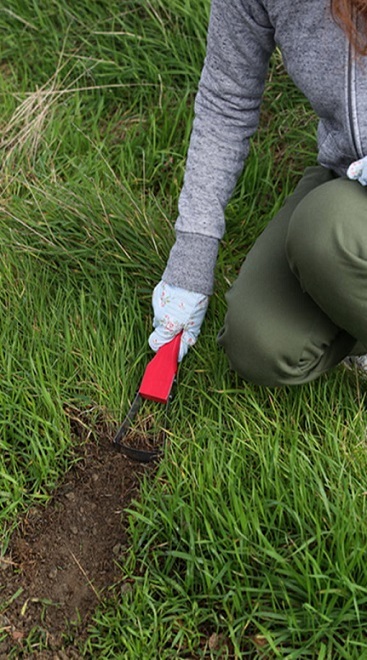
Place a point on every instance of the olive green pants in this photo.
(299, 305)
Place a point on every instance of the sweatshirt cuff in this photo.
(191, 262)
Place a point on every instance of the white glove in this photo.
(358, 171)
(176, 309)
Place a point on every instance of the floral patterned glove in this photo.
(176, 309)
(358, 171)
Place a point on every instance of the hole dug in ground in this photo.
(66, 557)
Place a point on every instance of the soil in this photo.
(67, 557)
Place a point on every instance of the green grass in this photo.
(250, 540)
(254, 526)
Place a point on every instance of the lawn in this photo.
(248, 540)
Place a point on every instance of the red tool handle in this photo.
(160, 372)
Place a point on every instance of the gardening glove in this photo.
(358, 171)
(176, 309)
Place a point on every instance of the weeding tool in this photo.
(156, 385)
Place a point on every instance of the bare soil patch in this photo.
(65, 558)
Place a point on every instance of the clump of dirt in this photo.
(65, 558)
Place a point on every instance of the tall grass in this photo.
(250, 540)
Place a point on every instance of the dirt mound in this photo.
(63, 559)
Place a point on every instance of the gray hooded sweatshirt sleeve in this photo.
(227, 107)
(242, 35)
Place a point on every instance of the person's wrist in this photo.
(191, 262)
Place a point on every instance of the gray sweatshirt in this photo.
(241, 38)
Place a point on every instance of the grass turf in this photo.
(250, 541)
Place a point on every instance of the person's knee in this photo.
(253, 352)
(319, 235)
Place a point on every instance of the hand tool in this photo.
(156, 385)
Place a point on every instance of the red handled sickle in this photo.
(156, 385)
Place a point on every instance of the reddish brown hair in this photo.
(345, 13)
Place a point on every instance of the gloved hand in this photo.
(176, 309)
(358, 171)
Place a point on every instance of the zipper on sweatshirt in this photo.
(351, 100)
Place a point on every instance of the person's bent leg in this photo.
(274, 333)
(327, 251)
